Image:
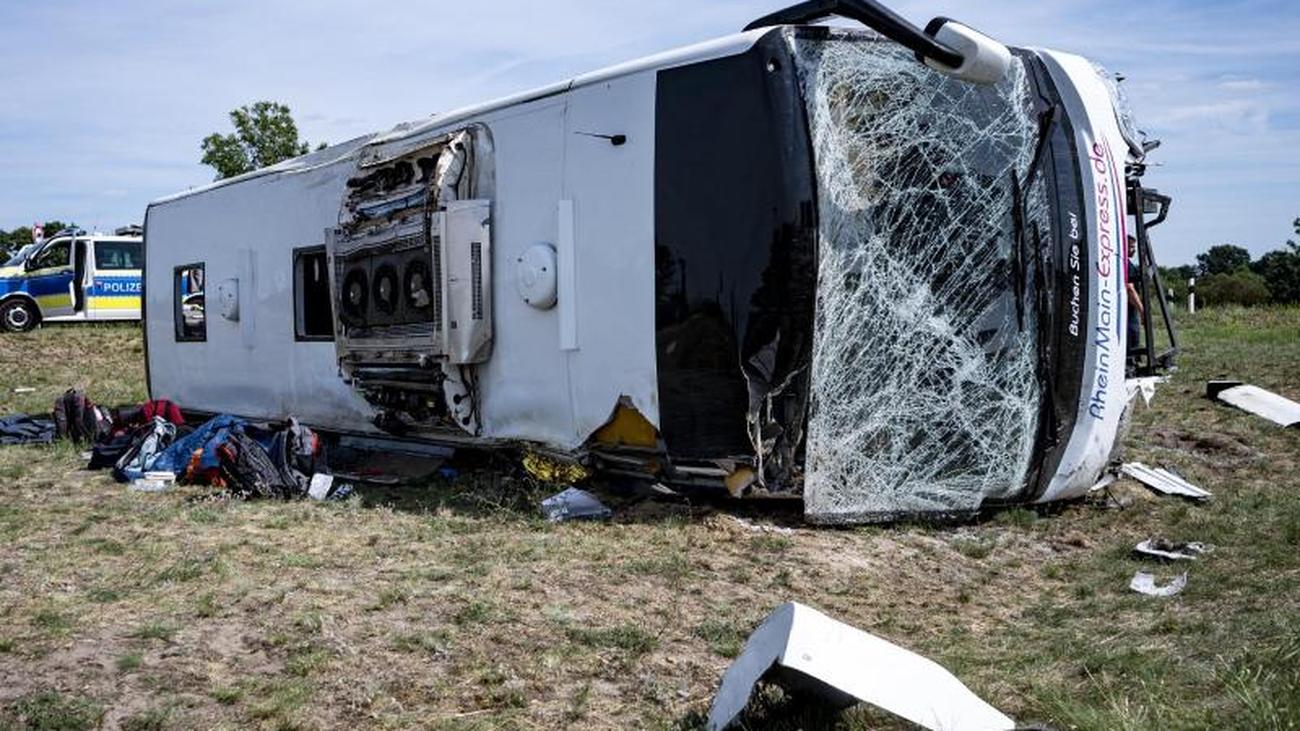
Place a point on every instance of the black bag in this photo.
(249, 472)
(79, 419)
(110, 449)
(297, 451)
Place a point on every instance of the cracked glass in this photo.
(925, 393)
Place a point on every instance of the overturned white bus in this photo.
(885, 271)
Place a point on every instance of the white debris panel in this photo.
(1277, 409)
(1164, 481)
(802, 648)
(925, 396)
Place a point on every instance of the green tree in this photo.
(265, 134)
(1242, 287)
(1175, 278)
(1223, 259)
(1281, 270)
(12, 241)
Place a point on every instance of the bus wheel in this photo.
(17, 316)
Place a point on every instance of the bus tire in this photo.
(18, 315)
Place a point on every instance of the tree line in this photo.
(12, 241)
(1226, 275)
(265, 134)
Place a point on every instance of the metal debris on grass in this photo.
(799, 647)
(574, 504)
(1164, 481)
(548, 469)
(1106, 481)
(1146, 387)
(1171, 551)
(1277, 409)
(1145, 583)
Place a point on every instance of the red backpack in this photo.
(163, 409)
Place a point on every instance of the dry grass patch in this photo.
(453, 605)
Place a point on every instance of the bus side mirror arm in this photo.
(945, 45)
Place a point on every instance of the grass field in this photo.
(452, 605)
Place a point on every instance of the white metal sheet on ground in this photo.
(1165, 481)
(1144, 582)
(1275, 408)
(1160, 548)
(846, 664)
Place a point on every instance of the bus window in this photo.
(313, 307)
(191, 320)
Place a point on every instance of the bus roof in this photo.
(441, 123)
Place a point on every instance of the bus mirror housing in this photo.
(946, 45)
(983, 60)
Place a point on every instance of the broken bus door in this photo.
(1144, 202)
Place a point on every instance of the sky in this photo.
(104, 104)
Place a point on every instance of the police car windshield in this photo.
(21, 256)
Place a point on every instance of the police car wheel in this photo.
(17, 316)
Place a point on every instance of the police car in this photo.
(73, 276)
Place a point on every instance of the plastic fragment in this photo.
(153, 482)
(320, 485)
(1165, 481)
(1265, 404)
(574, 504)
(1145, 583)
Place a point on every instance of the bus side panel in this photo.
(612, 189)
(251, 366)
(536, 386)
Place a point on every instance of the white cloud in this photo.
(1248, 85)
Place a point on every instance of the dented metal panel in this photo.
(808, 651)
(735, 261)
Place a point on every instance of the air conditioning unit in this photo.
(411, 267)
(465, 238)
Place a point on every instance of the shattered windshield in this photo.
(21, 255)
(924, 385)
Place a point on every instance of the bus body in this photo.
(72, 277)
(793, 261)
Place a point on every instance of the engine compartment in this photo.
(410, 262)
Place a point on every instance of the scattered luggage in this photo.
(151, 448)
(106, 453)
(251, 462)
(145, 413)
(24, 429)
(79, 419)
(148, 442)
(193, 457)
(249, 471)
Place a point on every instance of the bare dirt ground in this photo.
(453, 605)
